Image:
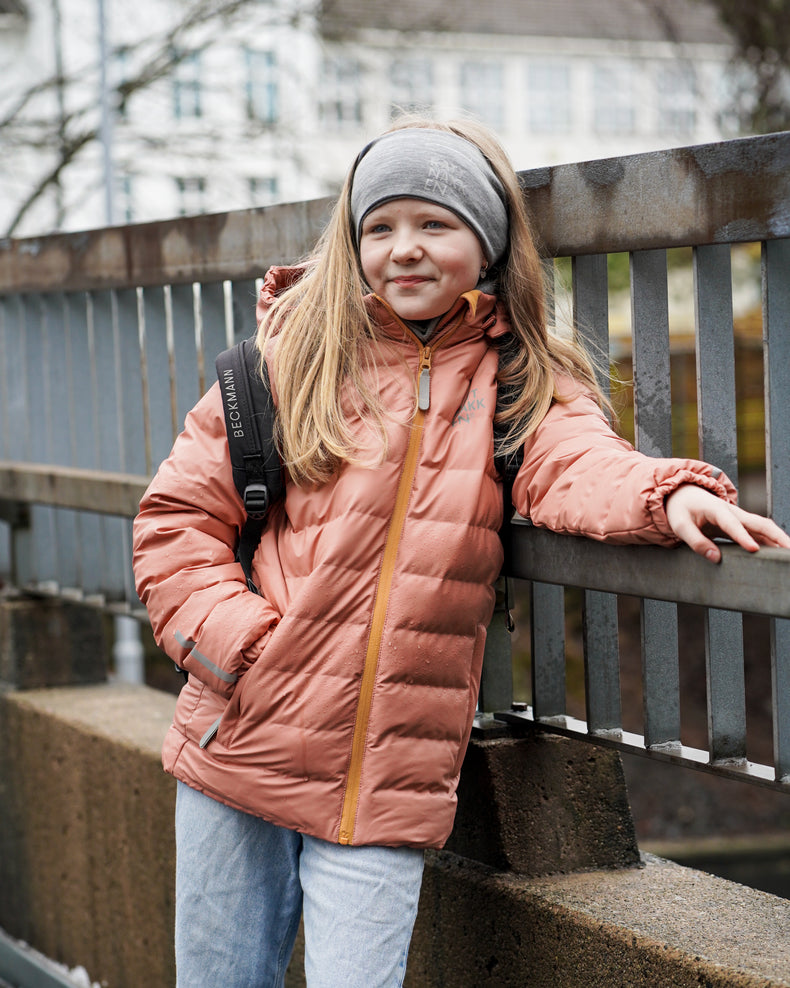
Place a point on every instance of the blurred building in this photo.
(224, 104)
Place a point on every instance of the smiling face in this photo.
(419, 257)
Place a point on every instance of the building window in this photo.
(411, 86)
(186, 86)
(482, 91)
(549, 97)
(614, 111)
(341, 98)
(263, 191)
(677, 99)
(261, 85)
(191, 195)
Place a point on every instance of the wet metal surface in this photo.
(738, 191)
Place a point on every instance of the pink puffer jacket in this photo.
(340, 701)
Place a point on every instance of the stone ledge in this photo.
(133, 716)
(657, 926)
(86, 829)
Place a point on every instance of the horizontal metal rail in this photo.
(731, 192)
(755, 582)
(191, 249)
(22, 965)
(70, 487)
(635, 744)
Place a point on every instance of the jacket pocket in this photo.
(199, 710)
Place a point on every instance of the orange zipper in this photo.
(351, 798)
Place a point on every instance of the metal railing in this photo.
(107, 338)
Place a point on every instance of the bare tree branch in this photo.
(66, 137)
(70, 149)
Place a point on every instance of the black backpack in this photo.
(257, 470)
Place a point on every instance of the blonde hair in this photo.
(325, 337)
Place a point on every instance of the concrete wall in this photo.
(542, 883)
(86, 821)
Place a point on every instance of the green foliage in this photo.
(619, 271)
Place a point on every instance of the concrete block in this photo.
(86, 830)
(542, 804)
(47, 642)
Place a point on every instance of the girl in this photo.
(320, 736)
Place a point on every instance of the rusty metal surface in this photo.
(207, 248)
(736, 191)
(731, 192)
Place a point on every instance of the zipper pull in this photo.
(424, 382)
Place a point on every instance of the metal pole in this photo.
(57, 37)
(106, 117)
(128, 648)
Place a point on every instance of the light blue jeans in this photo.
(241, 886)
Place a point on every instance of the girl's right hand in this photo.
(696, 516)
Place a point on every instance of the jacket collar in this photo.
(482, 315)
(479, 315)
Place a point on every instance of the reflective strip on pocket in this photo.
(204, 741)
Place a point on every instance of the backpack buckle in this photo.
(256, 500)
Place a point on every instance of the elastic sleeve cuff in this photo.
(710, 478)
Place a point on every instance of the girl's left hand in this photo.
(694, 513)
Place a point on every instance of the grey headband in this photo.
(436, 166)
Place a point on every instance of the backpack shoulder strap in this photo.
(249, 421)
(508, 466)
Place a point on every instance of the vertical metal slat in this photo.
(185, 351)
(776, 343)
(64, 552)
(37, 371)
(244, 297)
(599, 613)
(5, 530)
(547, 607)
(212, 302)
(547, 637)
(82, 429)
(130, 383)
(15, 428)
(161, 421)
(496, 683)
(653, 425)
(106, 403)
(718, 445)
(129, 389)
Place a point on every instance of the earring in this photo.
(483, 271)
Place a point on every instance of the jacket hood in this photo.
(276, 280)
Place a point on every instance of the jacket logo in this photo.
(470, 407)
